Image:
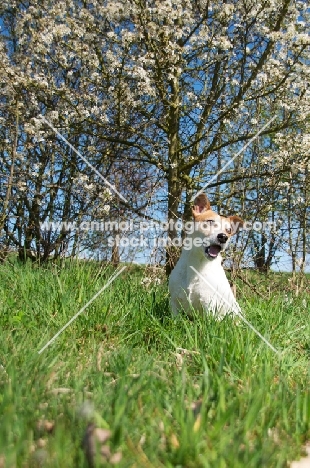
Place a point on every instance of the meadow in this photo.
(166, 392)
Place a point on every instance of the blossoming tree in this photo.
(175, 85)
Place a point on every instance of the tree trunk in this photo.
(175, 190)
(174, 183)
(260, 255)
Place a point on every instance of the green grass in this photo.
(223, 400)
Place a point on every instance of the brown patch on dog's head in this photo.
(202, 212)
(201, 205)
(236, 223)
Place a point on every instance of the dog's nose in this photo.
(222, 238)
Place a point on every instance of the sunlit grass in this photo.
(174, 392)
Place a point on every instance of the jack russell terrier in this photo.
(198, 280)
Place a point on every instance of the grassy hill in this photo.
(172, 392)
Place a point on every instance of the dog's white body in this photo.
(198, 280)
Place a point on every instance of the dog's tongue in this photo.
(214, 250)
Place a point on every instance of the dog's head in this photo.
(215, 230)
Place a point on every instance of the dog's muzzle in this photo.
(214, 249)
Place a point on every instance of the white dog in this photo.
(198, 280)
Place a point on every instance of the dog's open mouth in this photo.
(213, 250)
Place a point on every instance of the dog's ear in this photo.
(201, 204)
(236, 223)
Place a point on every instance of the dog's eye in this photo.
(228, 230)
(210, 221)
